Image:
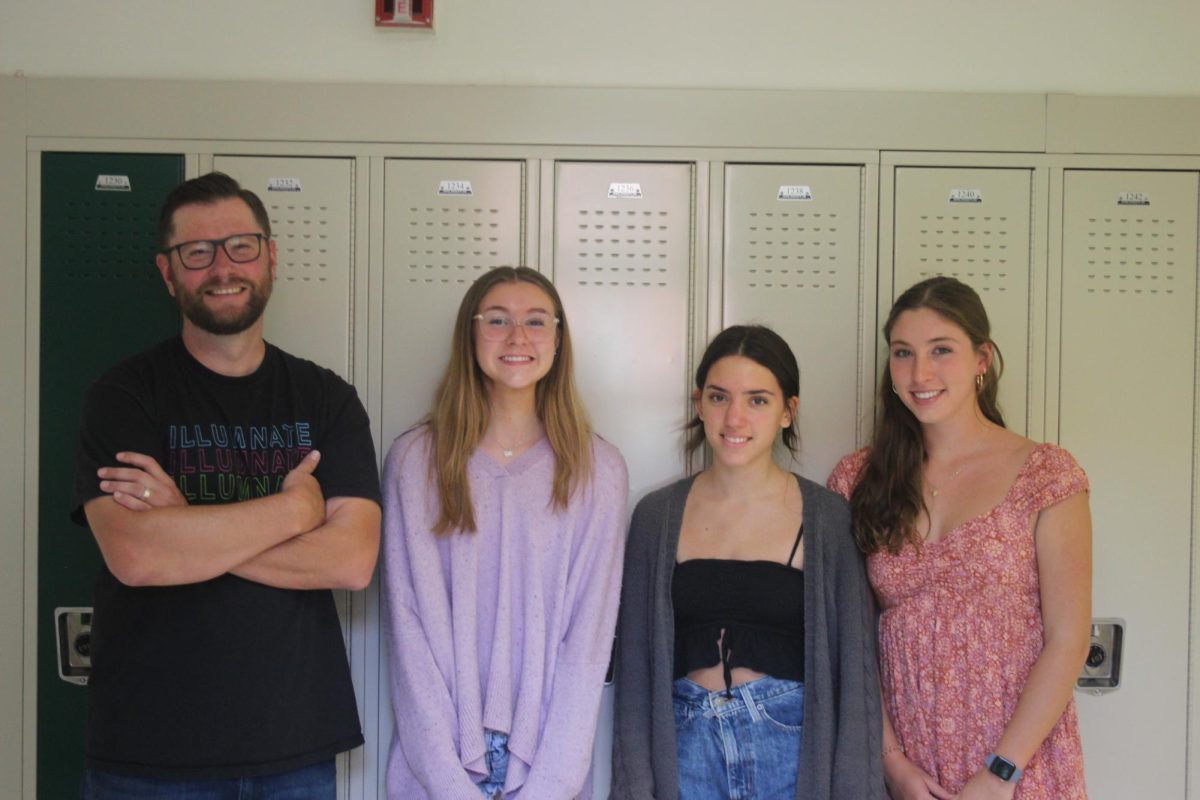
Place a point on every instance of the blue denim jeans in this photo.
(317, 782)
(497, 762)
(739, 747)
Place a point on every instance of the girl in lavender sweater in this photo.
(503, 540)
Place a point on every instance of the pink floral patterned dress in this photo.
(960, 628)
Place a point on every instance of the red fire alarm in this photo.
(404, 13)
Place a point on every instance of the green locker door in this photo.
(102, 299)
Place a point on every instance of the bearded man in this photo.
(229, 486)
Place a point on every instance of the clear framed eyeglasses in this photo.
(496, 326)
(241, 248)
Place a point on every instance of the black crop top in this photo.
(759, 605)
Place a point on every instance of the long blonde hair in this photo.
(460, 414)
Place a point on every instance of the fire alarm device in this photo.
(404, 13)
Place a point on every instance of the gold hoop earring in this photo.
(895, 391)
(979, 382)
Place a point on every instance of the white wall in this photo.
(1072, 46)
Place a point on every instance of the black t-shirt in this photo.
(227, 677)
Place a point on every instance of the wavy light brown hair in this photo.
(890, 495)
(460, 414)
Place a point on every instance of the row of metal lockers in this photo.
(1092, 301)
(795, 249)
(793, 253)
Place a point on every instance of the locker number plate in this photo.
(624, 191)
(966, 195)
(795, 193)
(113, 183)
(456, 188)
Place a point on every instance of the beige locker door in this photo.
(311, 205)
(792, 261)
(974, 225)
(1127, 394)
(446, 223)
(622, 260)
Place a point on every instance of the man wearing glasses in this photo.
(229, 486)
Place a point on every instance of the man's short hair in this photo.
(206, 190)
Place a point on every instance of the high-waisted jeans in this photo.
(497, 762)
(739, 747)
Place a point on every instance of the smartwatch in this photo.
(1003, 769)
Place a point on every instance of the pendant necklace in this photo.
(507, 452)
(935, 491)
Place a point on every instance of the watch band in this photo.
(1003, 769)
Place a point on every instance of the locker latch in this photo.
(1102, 669)
(74, 637)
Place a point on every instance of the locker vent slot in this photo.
(451, 245)
(302, 235)
(978, 249)
(100, 243)
(1130, 255)
(622, 248)
(796, 250)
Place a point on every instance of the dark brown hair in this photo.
(206, 190)
(460, 414)
(889, 496)
(764, 347)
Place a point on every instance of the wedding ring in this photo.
(145, 492)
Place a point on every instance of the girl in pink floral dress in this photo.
(979, 551)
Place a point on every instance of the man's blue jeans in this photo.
(317, 782)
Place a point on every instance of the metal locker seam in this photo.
(522, 222)
(708, 314)
(1055, 243)
(352, 282)
(374, 695)
(692, 262)
(869, 279)
(1029, 311)
(859, 366)
(1039, 297)
(32, 465)
(547, 233)
(1192, 746)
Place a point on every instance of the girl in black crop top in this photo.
(738, 587)
(745, 668)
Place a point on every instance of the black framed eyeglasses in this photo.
(241, 248)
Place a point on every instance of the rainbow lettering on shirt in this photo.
(219, 463)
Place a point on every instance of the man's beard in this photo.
(200, 315)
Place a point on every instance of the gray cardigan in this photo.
(840, 756)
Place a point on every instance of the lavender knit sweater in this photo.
(509, 628)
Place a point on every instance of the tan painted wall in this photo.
(1093, 47)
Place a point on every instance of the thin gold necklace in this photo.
(935, 491)
(507, 452)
